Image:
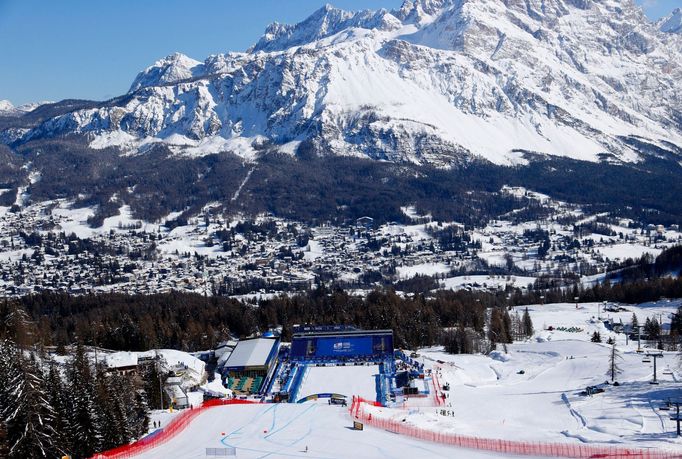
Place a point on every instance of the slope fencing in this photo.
(174, 427)
(522, 448)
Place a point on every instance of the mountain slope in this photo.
(433, 82)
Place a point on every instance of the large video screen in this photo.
(341, 346)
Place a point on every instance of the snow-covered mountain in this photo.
(434, 81)
(6, 106)
(671, 23)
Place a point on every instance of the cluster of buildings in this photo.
(50, 247)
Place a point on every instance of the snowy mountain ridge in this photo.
(6, 106)
(671, 23)
(432, 82)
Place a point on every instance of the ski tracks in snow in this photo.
(236, 194)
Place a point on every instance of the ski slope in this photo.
(344, 380)
(528, 392)
(285, 430)
(532, 391)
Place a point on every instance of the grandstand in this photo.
(336, 360)
(251, 363)
(340, 344)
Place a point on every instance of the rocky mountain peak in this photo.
(671, 23)
(171, 69)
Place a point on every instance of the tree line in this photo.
(50, 408)
(192, 322)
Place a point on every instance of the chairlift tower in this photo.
(655, 356)
(676, 417)
(639, 338)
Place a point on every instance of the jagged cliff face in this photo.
(671, 23)
(434, 82)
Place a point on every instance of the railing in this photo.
(523, 448)
(176, 426)
(297, 382)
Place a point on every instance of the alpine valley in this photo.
(439, 110)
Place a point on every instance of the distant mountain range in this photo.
(442, 84)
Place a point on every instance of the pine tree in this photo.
(614, 358)
(4, 441)
(634, 323)
(87, 422)
(15, 324)
(140, 414)
(527, 324)
(596, 337)
(57, 399)
(506, 320)
(517, 326)
(652, 328)
(24, 408)
(152, 390)
(676, 322)
(110, 421)
(132, 406)
(496, 327)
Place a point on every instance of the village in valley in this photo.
(51, 247)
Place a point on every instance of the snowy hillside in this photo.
(434, 81)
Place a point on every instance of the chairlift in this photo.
(667, 371)
(646, 360)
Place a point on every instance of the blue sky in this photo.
(91, 49)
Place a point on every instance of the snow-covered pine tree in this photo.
(14, 324)
(24, 406)
(140, 414)
(57, 399)
(130, 407)
(87, 420)
(111, 403)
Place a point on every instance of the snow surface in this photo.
(624, 251)
(488, 281)
(344, 380)
(286, 430)
(425, 269)
(544, 404)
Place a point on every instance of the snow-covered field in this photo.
(286, 430)
(345, 380)
(486, 281)
(424, 269)
(491, 398)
